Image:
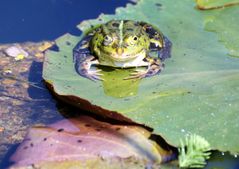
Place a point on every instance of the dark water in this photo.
(36, 20)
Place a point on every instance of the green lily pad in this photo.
(225, 23)
(197, 92)
(212, 4)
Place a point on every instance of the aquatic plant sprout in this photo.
(194, 152)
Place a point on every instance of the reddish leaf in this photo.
(84, 139)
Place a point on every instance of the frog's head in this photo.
(120, 41)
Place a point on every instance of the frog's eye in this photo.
(133, 40)
(107, 40)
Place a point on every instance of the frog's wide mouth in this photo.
(127, 56)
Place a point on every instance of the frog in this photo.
(122, 44)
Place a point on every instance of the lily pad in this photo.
(225, 23)
(197, 92)
(212, 4)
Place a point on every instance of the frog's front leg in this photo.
(83, 61)
(158, 42)
(84, 68)
(154, 66)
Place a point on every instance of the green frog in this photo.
(122, 44)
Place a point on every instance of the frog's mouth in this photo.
(123, 57)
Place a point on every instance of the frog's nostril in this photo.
(125, 45)
(120, 51)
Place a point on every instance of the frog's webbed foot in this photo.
(137, 74)
(83, 67)
(93, 75)
(154, 67)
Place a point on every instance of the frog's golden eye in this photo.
(133, 40)
(107, 40)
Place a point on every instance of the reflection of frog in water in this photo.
(122, 44)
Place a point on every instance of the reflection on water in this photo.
(114, 84)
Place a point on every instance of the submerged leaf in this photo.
(87, 141)
(98, 163)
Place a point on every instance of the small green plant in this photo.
(194, 152)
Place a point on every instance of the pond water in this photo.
(31, 20)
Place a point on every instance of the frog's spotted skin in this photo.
(122, 44)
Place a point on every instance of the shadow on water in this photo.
(39, 109)
(43, 107)
(5, 163)
(221, 160)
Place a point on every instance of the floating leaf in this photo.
(225, 23)
(85, 141)
(197, 92)
(212, 4)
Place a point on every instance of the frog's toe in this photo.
(137, 74)
(94, 75)
(151, 71)
(154, 70)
